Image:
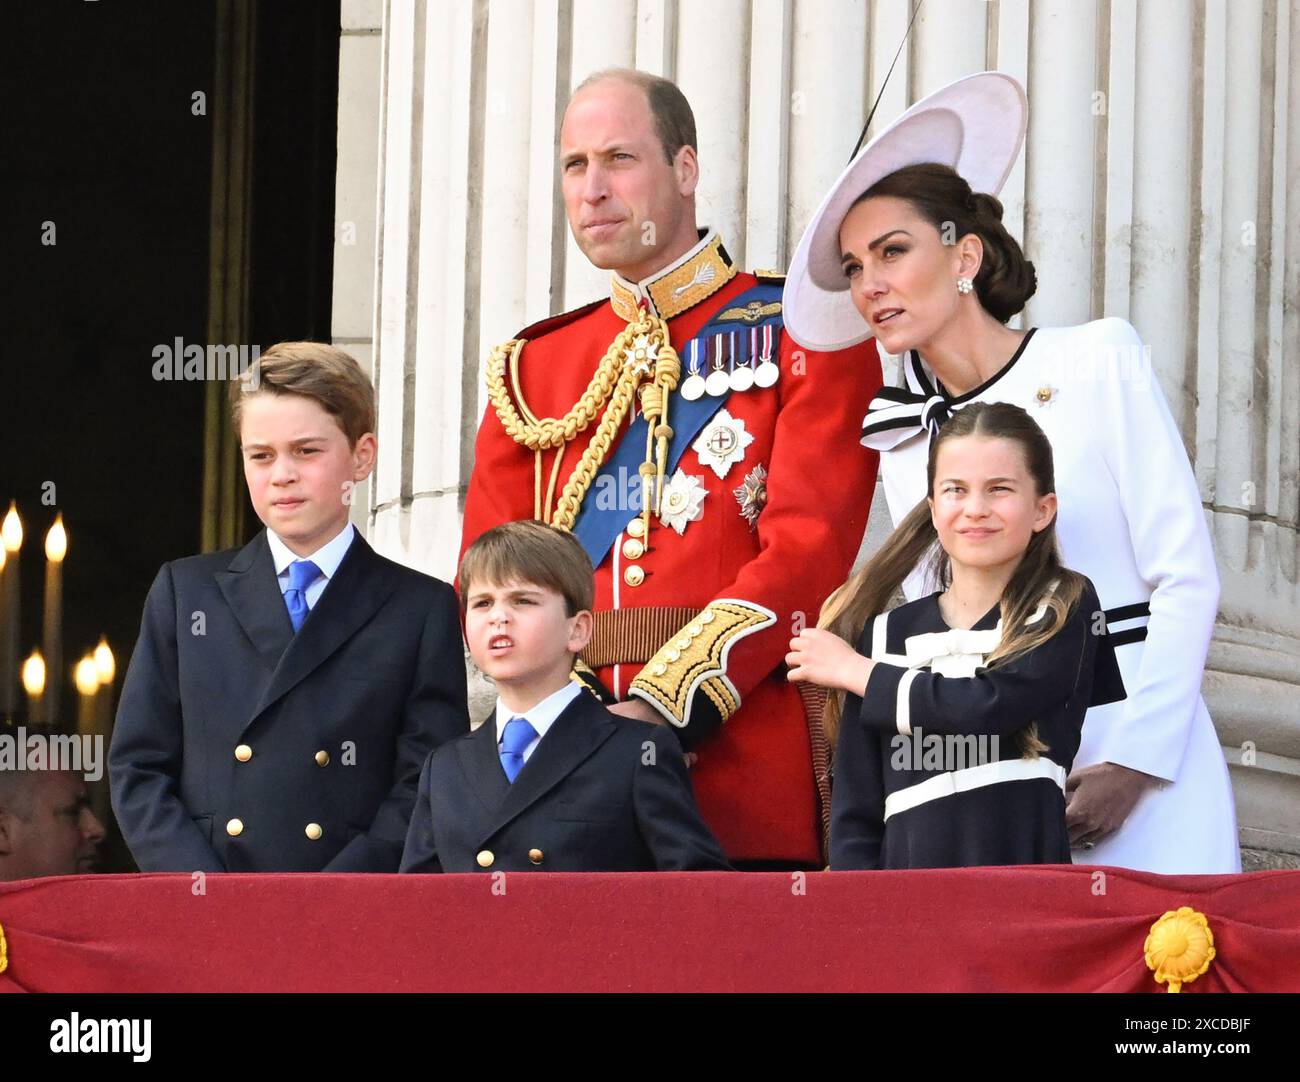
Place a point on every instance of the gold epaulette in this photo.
(695, 661)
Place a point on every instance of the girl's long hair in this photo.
(1038, 578)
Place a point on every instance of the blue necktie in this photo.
(518, 735)
(302, 573)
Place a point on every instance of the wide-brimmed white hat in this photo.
(976, 125)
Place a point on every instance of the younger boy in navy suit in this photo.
(552, 782)
(282, 697)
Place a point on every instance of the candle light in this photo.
(86, 677)
(11, 533)
(106, 666)
(6, 684)
(56, 548)
(34, 682)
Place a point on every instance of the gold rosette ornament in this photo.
(1180, 947)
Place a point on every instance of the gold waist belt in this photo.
(633, 636)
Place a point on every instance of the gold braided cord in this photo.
(611, 392)
(545, 516)
(584, 473)
(548, 432)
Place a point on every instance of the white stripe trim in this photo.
(903, 708)
(1127, 625)
(973, 777)
(616, 577)
(879, 626)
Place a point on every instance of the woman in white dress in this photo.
(910, 247)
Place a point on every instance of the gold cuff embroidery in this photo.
(695, 659)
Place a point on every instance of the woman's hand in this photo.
(822, 657)
(1100, 797)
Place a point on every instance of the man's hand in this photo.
(822, 657)
(635, 708)
(1100, 799)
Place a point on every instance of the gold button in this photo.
(672, 656)
(706, 617)
(235, 828)
(634, 576)
(322, 758)
(659, 668)
(636, 528)
(694, 630)
(243, 753)
(1044, 394)
(633, 549)
(485, 858)
(682, 644)
(314, 831)
(535, 855)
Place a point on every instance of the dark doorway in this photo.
(108, 209)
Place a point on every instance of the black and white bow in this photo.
(896, 414)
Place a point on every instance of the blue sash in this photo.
(614, 498)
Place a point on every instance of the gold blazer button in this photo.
(322, 758)
(235, 828)
(485, 858)
(243, 753)
(314, 831)
(634, 576)
(535, 855)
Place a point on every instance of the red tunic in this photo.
(754, 776)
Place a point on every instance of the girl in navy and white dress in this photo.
(961, 711)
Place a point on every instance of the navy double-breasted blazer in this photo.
(242, 746)
(599, 793)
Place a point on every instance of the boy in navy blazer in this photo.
(552, 781)
(283, 696)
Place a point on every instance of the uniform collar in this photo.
(682, 285)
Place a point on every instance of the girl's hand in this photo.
(822, 657)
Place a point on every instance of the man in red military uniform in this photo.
(711, 468)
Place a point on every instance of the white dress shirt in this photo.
(327, 558)
(541, 717)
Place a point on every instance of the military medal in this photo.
(768, 371)
(752, 494)
(719, 380)
(683, 500)
(693, 384)
(722, 443)
(742, 375)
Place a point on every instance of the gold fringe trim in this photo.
(814, 708)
